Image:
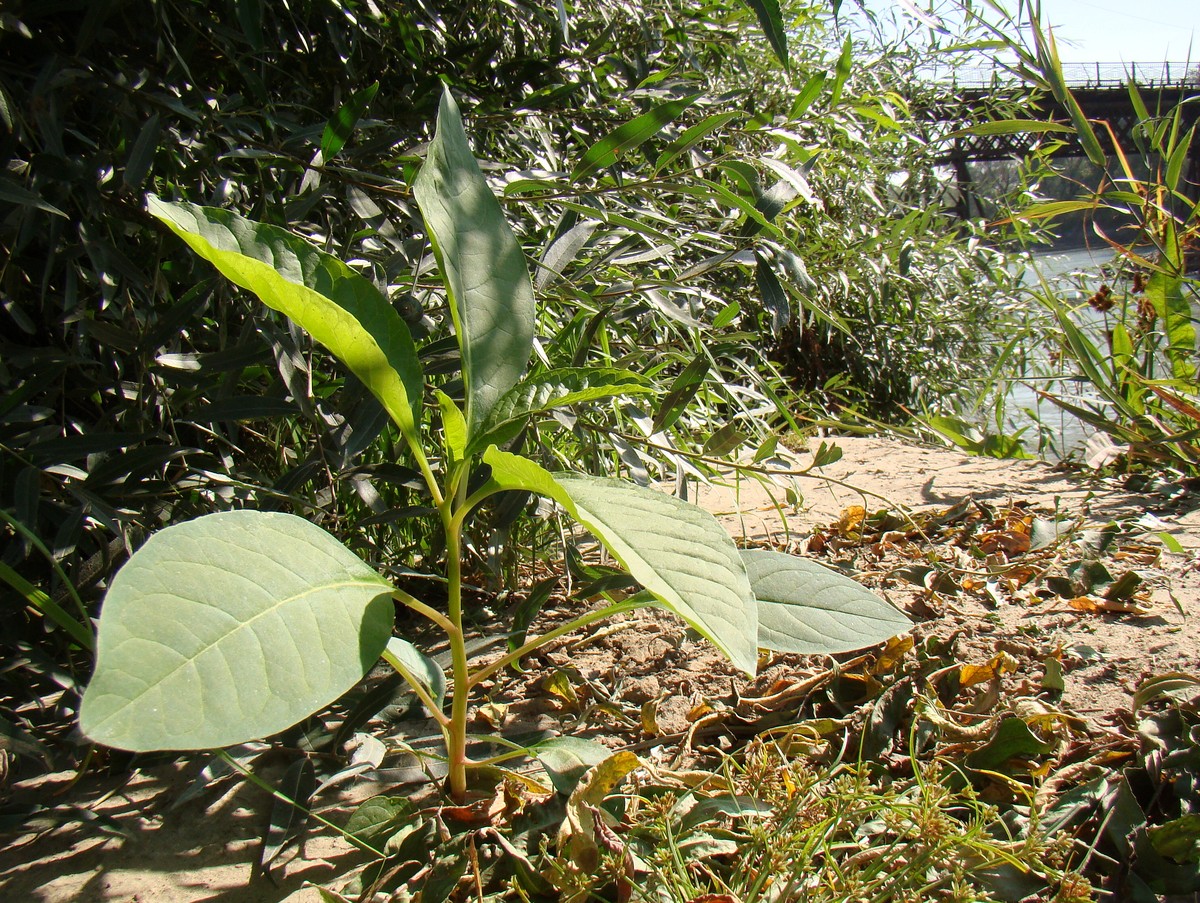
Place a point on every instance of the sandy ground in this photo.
(206, 848)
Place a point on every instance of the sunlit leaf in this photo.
(805, 607)
(677, 551)
(229, 628)
(632, 134)
(335, 305)
(481, 263)
(341, 125)
(418, 669)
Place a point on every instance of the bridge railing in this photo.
(1081, 75)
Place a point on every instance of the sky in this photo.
(1125, 30)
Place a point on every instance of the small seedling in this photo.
(238, 624)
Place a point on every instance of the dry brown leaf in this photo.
(1110, 606)
(851, 521)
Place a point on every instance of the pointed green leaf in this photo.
(454, 427)
(677, 551)
(804, 607)
(1011, 127)
(483, 266)
(632, 134)
(841, 71)
(229, 628)
(341, 125)
(418, 669)
(554, 389)
(683, 389)
(771, 20)
(335, 305)
(693, 136)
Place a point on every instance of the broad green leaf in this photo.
(771, 21)
(567, 759)
(418, 669)
(677, 551)
(491, 297)
(229, 628)
(1178, 839)
(341, 125)
(381, 817)
(1012, 738)
(807, 608)
(554, 389)
(632, 134)
(335, 305)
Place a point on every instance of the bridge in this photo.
(1102, 91)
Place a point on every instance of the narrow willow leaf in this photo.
(810, 92)
(418, 669)
(554, 389)
(683, 389)
(229, 628)
(804, 607)
(1011, 127)
(841, 72)
(482, 264)
(774, 298)
(15, 193)
(341, 125)
(335, 305)
(142, 155)
(771, 20)
(632, 134)
(677, 551)
(693, 136)
(561, 251)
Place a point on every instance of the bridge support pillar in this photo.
(962, 181)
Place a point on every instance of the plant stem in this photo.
(456, 739)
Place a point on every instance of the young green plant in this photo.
(238, 624)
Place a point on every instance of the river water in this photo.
(1071, 276)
